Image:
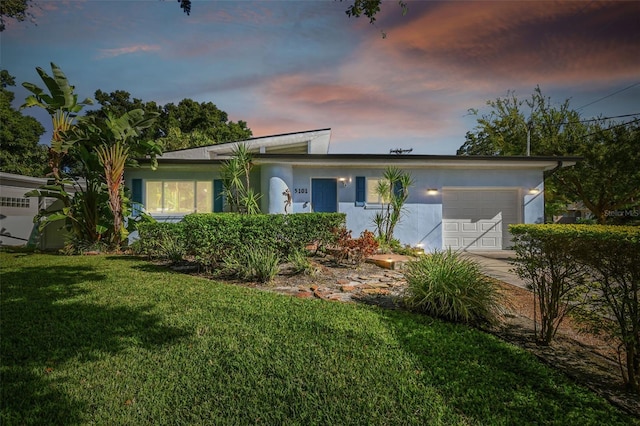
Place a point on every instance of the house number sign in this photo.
(301, 190)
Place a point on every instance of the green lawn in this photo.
(111, 340)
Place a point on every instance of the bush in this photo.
(447, 286)
(211, 237)
(544, 259)
(354, 250)
(608, 258)
(162, 240)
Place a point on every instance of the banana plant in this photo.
(115, 143)
(62, 105)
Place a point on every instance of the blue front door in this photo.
(324, 195)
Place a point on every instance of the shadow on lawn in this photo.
(48, 318)
(491, 381)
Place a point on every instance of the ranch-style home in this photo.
(457, 202)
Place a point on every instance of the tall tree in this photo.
(185, 125)
(609, 150)
(607, 181)
(21, 152)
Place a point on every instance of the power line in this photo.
(610, 128)
(608, 96)
(602, 118)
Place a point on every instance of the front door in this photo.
(324, 195)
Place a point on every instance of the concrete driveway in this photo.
(498, 265)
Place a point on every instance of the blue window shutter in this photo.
(361, 192)
(136, 196)
(397, 189)
(218, 202)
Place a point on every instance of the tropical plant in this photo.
(100, 149)
(236, 182)
(393, 190)
(446, 285)
(113, 142)
(62, 105)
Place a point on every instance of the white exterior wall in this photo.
(422, 221)
(421, 224)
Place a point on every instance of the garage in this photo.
(479, 219)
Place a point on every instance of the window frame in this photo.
(163, 198)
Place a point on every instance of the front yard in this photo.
(116, 340)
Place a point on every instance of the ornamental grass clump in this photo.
(446, 285)
(253, 264)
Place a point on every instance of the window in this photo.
(179, 196)
(373, 197)
(22, 203)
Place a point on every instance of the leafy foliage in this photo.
(370, 8)
(354, 250)
(607, 258)
(213, 237)
(550, 269)
(445, 285)
(236, 182)
(607, 177)
(62, 105)
(185, 125)
(253, 264)
(100, 149)
(19, 136)
(393, 189)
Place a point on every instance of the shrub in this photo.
(447, 286)
(354, 250)
(544, 259)
(162, 239)
(607, 256)
(211, 237)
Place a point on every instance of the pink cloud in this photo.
(534, 42)
(111, 53)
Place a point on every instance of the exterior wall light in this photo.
(432, 191)
(343, 181)
(534, 191)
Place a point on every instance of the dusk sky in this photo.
(287, 66)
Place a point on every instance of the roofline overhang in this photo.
(369, 160)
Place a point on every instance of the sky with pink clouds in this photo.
(286, 66)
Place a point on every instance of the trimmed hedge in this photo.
(608, 258)
(212, 237)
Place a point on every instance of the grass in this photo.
(115, 340)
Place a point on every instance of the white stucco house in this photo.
(457, 202)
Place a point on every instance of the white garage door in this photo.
(478, 219)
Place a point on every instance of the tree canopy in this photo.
(185, 125)
(606, 180)
(21, 152)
